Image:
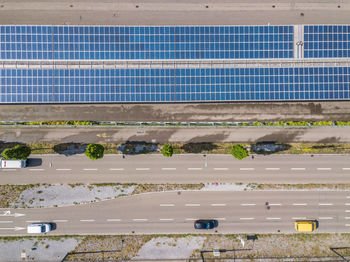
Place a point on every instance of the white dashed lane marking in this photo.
(324, 168)
(247, 168)
(36, 169)
(190, 219)
(299, 204)
(140, 219)
(325, 218)
(63, 169)
(325, 204)
(220, 168)
(114, 220)
(346, 168)
(142, 168)
(166, 219)
(116, 169)
(275, 204)
(87, 220)
(166, 205)
(194, 168)
(297, 218)
(192, 205)
(272, 168)
(248, 204)
(246, 218)
(218, 205)
(298, 168)
(169, 168)
(60, 220)
(273, 218)
(6, 222)
(90, 169)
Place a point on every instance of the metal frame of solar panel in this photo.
(145, 42)
(173, 85)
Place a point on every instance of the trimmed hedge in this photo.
(239, 151)
(20, 152)
(94, 151)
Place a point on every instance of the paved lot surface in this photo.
(180, 112)
(237, 212)
(168, 12)
(181, 169)
(27, 134)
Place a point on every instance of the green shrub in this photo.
(94, 151)
(167, 150)
(239, 151)
(18, 152)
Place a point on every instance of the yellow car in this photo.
(305, 225)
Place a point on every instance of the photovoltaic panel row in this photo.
(327, 41)
(173, 85)
(145, 42)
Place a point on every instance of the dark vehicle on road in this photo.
(205, 224)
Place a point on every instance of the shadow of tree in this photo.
(137, 147)
(269, 147)
(4, 145)
(198, 147)
(69, 149)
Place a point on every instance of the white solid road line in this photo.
(113, 220)
(36, 169)
(87, 220)
(90, 169)
(247, 204)
(247, 168)
(297, 218)
(60, 220)
(63, 169)
(142, 168)
(298, 168)
(246, 218)
(192, 205)
(325, 218)
(166, 219)
(275, 204)
(140, 219)
(218, 205)
(299, 204)
(272, 168)
(220, 168)
(273, 218)
(116, 169)
(6, 222)
(194, 168)
(325, 204)
(324, 168)
(166, 205)
(168, 168)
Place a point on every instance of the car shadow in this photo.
(31, 162)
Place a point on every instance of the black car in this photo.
(205, 224)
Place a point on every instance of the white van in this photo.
(13, 163)
(37, 228)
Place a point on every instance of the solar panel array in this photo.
(327, 41)
(145, 42)
(173, 85)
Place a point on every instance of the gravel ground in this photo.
(63, 195)
(170, 248)
(37, 249)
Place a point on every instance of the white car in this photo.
(37, 228)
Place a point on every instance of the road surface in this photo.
(181, 169)
(237, 212)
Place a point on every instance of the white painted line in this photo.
(32, 221)
(299, 204)
(5, 222)
(298, 218)
(347, 225)
(9, 170)
(246, 218)
(36, 169)
(297, 168)
(273, 218)
(346, 168)
(348, 197)
(220, 218)
(347, 211)
(194, 168)
(168, 168)
(218, 205)
(166, 219)
(63, 169)
(166, 205)
(90, 169)
(60, 220)
(142, 168)
(347, 217)
(140, 219)
(220, 168)
(272, 168)
(87, 220)
(247, 168)
(114, 220)
(275, 204)
(116, 169)
(324, 168)
(190, 219)
(325, 204)
(347, 204)
(192, 205)
(248, 204)
(326, 218)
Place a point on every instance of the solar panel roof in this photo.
(145, 42)
(173, 85)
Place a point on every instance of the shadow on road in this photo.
(31, 162)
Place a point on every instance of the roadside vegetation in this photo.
(20, 152)
(94, 151)
(239, 151)
(167, 150)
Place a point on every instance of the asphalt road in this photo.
(190, 168)
(42, 134)
(237, 212)
(168, 12)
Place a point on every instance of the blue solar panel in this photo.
(145, 42)
(327, 41)
(173, 85)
